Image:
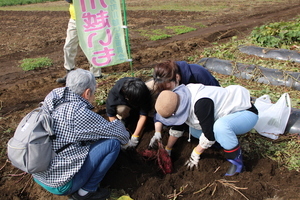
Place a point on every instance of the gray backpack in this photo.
(30, 149)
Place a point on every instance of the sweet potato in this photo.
(164, 160)
(161, 155)
(149, 154)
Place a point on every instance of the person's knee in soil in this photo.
(123, 112)
(133, 93)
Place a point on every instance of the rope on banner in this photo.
(127, 34)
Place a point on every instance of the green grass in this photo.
(181, 29)
(214, 6)
(285, 150)
(159, 37)
(28, 64)
(169, 31)
(277, 34)
(21, 2)
(157, 34)
(33, 5)
(196, 5)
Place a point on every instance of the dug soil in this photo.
(42, 34)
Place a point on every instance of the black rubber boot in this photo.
(63, 79)
(234, 156)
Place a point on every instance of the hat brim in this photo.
(182, 112)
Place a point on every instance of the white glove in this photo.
(133, 142)
(193, 161)
(204, 142)
(156, 136)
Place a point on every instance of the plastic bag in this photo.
(272, 118)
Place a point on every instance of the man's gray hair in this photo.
(79, 80)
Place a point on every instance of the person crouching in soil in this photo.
(129, 100)
(90, 143)
(168, 75)
(212, 114)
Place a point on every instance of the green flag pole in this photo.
(126, 34)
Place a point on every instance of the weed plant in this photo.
(169, 31)
(21, 2)
(285, 150)
(28, 64)
(181, 29)
(277, 34)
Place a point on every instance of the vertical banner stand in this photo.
(127, 35)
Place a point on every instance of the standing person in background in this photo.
(88, 144)
(129, 99)
(212, 114)
(71, 47)
(167, 75)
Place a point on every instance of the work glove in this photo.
(204, 142)
(133, 142)
(193, 160)
(153, 143)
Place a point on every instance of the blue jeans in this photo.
(228, 127)
(101, 157)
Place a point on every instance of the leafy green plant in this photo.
(21, 2)
(193, 58)
(287, 154)
(181, 29)
(9, 130)
(159, 37)
(28, 64)
(278, 34)
(285, 150)
(157, 34)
